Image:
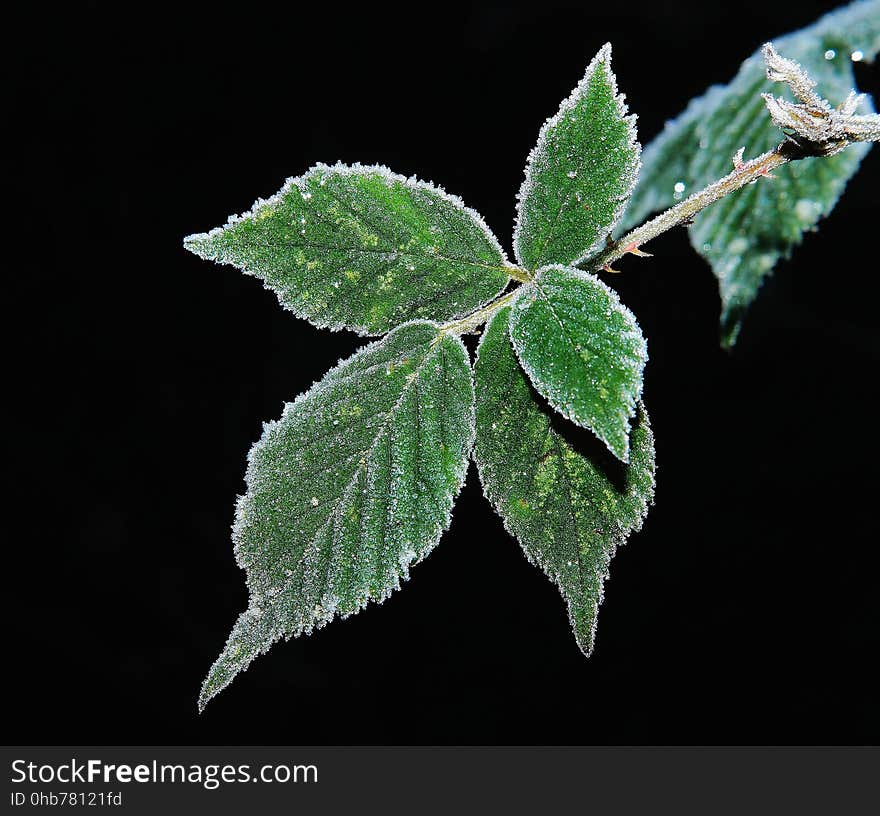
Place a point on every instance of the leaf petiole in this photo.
(473, 321)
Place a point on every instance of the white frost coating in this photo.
(557, 400)
(618, 538)
(273, 599)
(814, 118)
(617, 541)
(521, 226)
(351, 170)
(339, 168)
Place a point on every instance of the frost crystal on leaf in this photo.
(353, 485)
(579, 175)
(556, 498)
(744, 235)
(583, 351)
(363, 248)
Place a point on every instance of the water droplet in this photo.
(857, 56)
(830, 54)
(807, 210)
(679, 187)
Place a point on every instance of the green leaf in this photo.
(583, 351)
(556, 496)
(363, 248)
(353, 485)
(579, 175)
(744, 235)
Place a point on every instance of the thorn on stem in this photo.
(633, 249)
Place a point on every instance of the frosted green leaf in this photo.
(745, 234)
(353, 485)
(568, 507)
(363, 248)
(583, 351)
(579, 175)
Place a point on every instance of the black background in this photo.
(744, 612)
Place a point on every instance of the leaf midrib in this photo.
(574, 348)
(381, 431)
(380, 251)
(581, 162)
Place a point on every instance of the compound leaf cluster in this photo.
(356, 481)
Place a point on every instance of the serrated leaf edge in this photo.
(618, 539)
(432, 540)
(602, 58)
(525, 291)
(191, 242)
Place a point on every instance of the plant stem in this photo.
(815, 128)
(477, 318)
(517, 274)
(743, 173)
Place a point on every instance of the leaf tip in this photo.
(211, 687)
(586, 641)
(199, 244)
(620, 448)
(204, 699)
(728, 336)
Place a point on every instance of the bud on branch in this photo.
(813, 124)
(812, 127)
